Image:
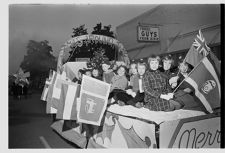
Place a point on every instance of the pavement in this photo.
(29, 125)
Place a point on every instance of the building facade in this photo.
(177, 27)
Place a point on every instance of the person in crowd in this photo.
(119, 82)
(156, 88)
(168, 67)
(135, 95)
(108, 73)
(184, 97)
(88, 72)
(96, 74)
(21, 86)
(79, 79)
(183, 70)
(132, 72)
(114, 66)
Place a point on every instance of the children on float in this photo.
(96, 74)
(135, 95)
(119, 82)
(184, 97)
(168, 67)
(132, 72)
(108, 73)
(78, 80)
(88, 72)
(156, 88)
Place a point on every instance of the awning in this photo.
(185, 41)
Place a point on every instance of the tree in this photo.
(39, 59)
(90, 49)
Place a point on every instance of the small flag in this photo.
(45, 90)
(198, 50)
(67, 107)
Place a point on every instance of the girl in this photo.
(119, 82)
(157, 93)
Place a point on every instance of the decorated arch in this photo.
(86, 39)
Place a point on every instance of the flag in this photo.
(45, 90)
(67, 107)
(205, 81)
(198, 50)
(49, 108)
(53, 97)
(93, 100)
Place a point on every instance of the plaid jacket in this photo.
(155, 84)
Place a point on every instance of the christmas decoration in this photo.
(98, 57)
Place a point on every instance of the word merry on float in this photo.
(192, 139)
(87, 39)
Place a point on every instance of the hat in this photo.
(167, 57)
(180, 59)
(142, 62)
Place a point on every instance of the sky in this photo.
(54, 22)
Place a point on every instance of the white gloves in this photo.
(130, 92)
(173, 80)
(187, 90)
(167, 96)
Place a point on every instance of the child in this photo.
(135, 95)
(119, 82)
(133, 72)
(79, 79)
(88, 72)
(108, 74)
(184, 97)
(157, 93)
(96, 74)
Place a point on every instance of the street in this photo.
(29, 125)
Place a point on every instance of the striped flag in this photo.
(49, 108)
(67, 107)
(45, 90)
(206, 83)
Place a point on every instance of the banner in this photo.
(93, 100)
(123, 132)
(67, 107)
(198, 132)
(86, 39)
(205, 81)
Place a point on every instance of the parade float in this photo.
(84, 118)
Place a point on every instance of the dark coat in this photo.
(155, 84)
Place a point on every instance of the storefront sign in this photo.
(148, 33)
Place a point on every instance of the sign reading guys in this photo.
(93, 100)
